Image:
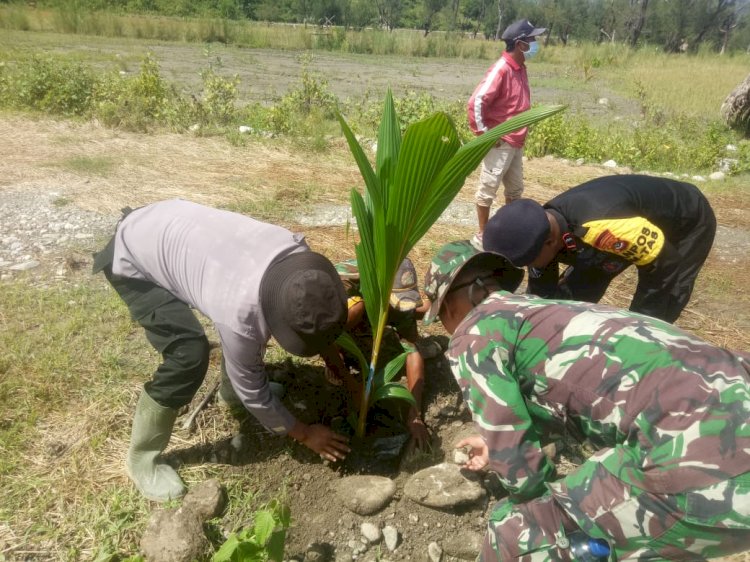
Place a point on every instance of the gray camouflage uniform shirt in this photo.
(214, 261)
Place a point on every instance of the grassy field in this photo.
(73, 363)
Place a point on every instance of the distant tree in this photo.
(324, 11)
(361, 14)
(390, 13)
(429, 9)
(303, 11)
(455, 5)
(476, 11)
(637, 20)
(710, 17)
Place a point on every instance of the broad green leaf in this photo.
(225, 552)
(414, 181)
(366, 261)
(451, 178)
(393, 390)
(389, 145)
(264, 526)
(249, 551)
(428, 145)
(394, 366)
(275, 546)
(346, 341)
(372, 183)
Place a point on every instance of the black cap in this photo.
(521, 29)
(303, 302)
(517, 231)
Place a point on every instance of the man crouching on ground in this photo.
(253, 280)
(668, 413)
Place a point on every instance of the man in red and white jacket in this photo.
(503, 93)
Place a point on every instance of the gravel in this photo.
(38, 229)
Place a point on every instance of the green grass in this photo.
(100, 166)
(71, 366)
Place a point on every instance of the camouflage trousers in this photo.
(638, 525)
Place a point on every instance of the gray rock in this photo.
(390, 537)
(717, 176)
(318, 552)
(434, 552)
(460, 457)
(727, 164)
(370, 532)
(174, 535)
(444, 486)
(465, 545)
(357, 546)
(365, 495)
(610, 164)
(580, 162)
(238, 443)
(206, 499)
(698, 178)
(24, 266)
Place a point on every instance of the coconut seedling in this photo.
(414, 180)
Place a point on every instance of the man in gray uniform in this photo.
(253, 280)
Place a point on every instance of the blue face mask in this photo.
(533, 49)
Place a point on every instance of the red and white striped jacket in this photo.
(503, 93)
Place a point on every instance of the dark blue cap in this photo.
(517, 231)
(521, 29)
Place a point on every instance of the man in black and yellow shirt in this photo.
(599, 228)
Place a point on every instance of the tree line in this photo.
(672, 25)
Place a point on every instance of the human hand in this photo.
(479, 455)
(420, 435)
(323, 440)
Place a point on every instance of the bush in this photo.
(47, 84)
(304, 109)
(141, 102)
(217, 104)
(678, 145)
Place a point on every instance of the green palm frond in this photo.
(414, 181)
(392, 390)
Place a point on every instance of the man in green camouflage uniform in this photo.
(667, 412)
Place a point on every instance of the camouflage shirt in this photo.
(668, 411)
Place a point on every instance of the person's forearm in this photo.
(299, 432)
(415, 381)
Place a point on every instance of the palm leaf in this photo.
(393, 390)
(394, 366)
(451, 178)
(414, 181)
(346, 341)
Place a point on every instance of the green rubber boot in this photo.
(152, 428)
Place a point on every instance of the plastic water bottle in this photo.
(584, 548)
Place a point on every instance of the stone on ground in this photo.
(174, 535)
(365, 495)
(444, 486)
(465, 545)
(390, 537)
(371, 532)
(206, 499)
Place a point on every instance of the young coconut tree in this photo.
(415, 179)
